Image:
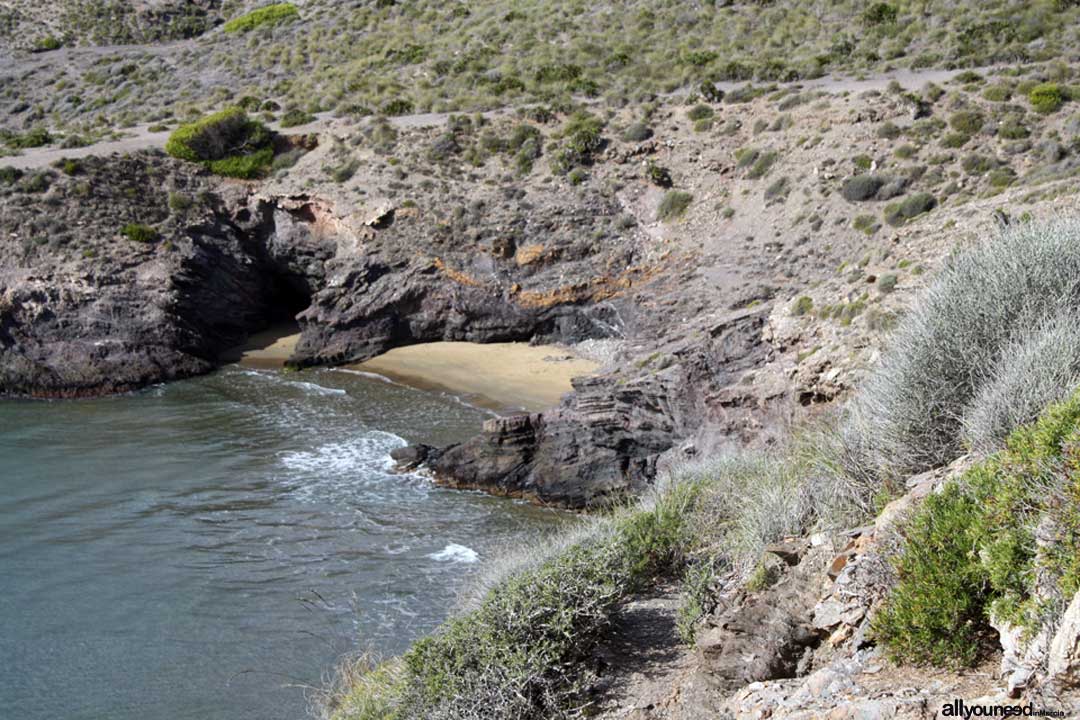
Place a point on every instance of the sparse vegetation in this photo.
(260, 17)
(674, 205)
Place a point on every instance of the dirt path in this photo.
(643, 660)
(140, 137)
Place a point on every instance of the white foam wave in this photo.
(315, 388)
(370, 451)
(370, 375)
(455, 553)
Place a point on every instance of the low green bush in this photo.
(887, 283)
(581, 139)
(762, 165)
(673, 205)
(47, 44)
(245, 167)
(859, 188)
(967, 122)
(137, 232)
(700, 112)
(997, 93)
(1046, 98)
(637, 132)
(228, 143)
(33, 138)
(658, 175)
(910, 207)
(295, 117)
(802, 306)
(267, 15)
(935, 614)
(970, 553)
(778, 190)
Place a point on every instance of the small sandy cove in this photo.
(504, 377)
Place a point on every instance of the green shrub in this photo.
(47, 44)
(967, 122)
(970, 552)
(295, 117)
(658, 175)
(228, 143)
(1002, 177)
(917, 204)
(886, 283)
(975, 164)
(905, 152)
(997, 93)
(888, 131)
(137, 232)
(777, 190)
(637, 132)
(700, 112)
(179, 202)
(1046, 98)
(582, 138)
(802, 306)
(267, 15)
(69, 166)
(865, 223)
(673, 205)
(1013, 128)
(398, 106)
(10, 175)
(745, 157)
(955, 140)
(762, 165)
(935, 614)
(859, 188)
(344, 171)
(36, 137)
(223, 134)
(863, 161)
(880, 13)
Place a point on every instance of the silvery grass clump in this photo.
(983, 350)
(1039, 367)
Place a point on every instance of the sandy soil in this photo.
(501, 376)
(505, 377)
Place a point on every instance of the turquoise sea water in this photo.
(209, 548)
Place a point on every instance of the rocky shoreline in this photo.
(117, 315)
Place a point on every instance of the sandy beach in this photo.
(501, 376)
(504, 377)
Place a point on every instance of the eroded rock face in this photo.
(90, 311)
(84, 310)
(1063, 664)
(605, 440)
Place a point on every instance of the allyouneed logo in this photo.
(958, 708)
